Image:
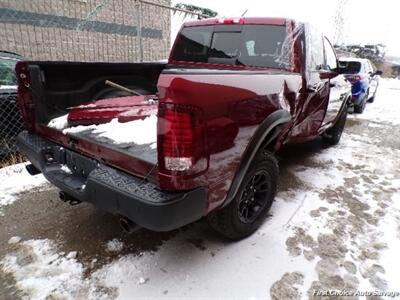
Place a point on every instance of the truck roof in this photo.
(238, 20)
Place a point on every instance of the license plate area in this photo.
(78, 164)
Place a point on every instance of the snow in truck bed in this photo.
(137, 138)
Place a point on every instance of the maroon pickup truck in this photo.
(170, 143)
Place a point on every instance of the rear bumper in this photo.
(112, 190)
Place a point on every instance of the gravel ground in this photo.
(335, 225)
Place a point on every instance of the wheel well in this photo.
(272, 138)
(265, 136)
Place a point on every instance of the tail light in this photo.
(25, 100)
(354, 78)
(181, 139)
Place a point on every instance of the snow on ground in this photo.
(337, 227)
(46, 274)
(15, 180)
(114, 245)
(8, 87)
(389, 90)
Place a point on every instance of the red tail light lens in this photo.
(181, 140)
(354, 78)
(25, 100)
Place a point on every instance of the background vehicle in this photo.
(233, 93)
(364, 79)
(10, 120)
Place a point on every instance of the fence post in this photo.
(139, 13)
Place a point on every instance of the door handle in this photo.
(314, 88)
(311, 89)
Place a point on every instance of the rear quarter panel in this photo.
(234, 104)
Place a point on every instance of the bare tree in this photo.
(197, 10)
(340, 22)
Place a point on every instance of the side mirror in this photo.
(378, 72)
(328, 74)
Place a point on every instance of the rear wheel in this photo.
(372, 99)
(358, 109)
(332, 135)
(248, 209)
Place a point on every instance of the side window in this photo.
(330, 56)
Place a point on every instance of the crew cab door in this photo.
(339, 86)
(311, 110)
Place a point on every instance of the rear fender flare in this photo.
(265, 134)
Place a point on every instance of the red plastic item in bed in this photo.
(126, 109)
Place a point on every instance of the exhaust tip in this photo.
(127, 225)
(63, 196)
(32, 170)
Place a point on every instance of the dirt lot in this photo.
(334, 225)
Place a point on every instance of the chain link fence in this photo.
(10, 122)
(77, 30)
(86, 30)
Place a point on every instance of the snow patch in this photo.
(137, 132)
(8, 87)
(42, 273)
(59, 123)
(14, 240)
(114, 245)
(15, 180)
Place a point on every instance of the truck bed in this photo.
(62, 88)
(135, 138)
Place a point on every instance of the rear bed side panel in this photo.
(241, 99)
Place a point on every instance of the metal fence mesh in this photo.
(86, 30)
(10, 122)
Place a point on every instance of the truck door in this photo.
(315, 95)
(339, 86)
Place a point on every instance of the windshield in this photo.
(7, 71)
(248, 45)
(350, 67)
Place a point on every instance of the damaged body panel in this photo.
(232, 88)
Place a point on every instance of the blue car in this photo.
(363, 78)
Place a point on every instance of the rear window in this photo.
(350, 67)
(249, 45)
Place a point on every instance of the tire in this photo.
(246, 212)
(332, 135)
(359, 109)
(372, 99)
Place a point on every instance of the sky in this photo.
(365, 21)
